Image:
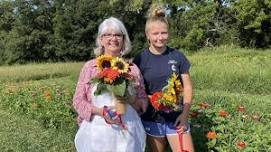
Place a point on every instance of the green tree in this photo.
(254, 22)
(29, 36)
(6, 23)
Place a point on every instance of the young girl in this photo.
(157, 63)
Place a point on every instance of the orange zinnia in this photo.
(194, 114)
(211, 135)
(47, 94)
(223, 113)
(109, 75)
(203, 105)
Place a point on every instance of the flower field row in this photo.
(231, 102)
(219, 122)
(46, 101)
(231, 122)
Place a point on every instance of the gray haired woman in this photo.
(98, 131)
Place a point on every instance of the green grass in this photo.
(232, 69)
(28, 72)
(20, 134)
(36, 112)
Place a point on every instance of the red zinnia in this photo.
(154, 100)
(241, 144)
(241, 109)
(255, 116)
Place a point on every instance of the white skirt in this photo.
(98, 136)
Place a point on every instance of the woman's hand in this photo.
(139, 106)
(181, 123)
(111, 117)
(107, 114)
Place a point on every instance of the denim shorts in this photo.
(156, 129)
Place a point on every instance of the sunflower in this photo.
(176, 83)
(103, 61)
(120, 65)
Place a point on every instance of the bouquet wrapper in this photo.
(120, 106)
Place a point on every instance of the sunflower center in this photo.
(106, 64)
(120, 65)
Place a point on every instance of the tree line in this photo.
(65, 30)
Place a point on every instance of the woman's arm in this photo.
(81, 103)
(141, 96)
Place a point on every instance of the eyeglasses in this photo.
(110, 36)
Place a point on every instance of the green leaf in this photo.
(119, 89)
(100, 88)
(211, 143)
(95, 80)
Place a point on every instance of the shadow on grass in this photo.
(200, 125)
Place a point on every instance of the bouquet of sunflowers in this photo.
(168, 99)
(113, 77)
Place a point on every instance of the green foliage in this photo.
(28, 38)
(232, 69)
(46, 101)
(196, 24)
(21, 133)
(118, 88)
(225, 78)
(250, 126)
(254, 22)
(7, 19)
(65, 30)
(20, 73)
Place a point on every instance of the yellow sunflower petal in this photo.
(120, 65)
(103, 61)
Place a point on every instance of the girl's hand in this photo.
(181, 123)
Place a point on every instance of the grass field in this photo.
(232, 100)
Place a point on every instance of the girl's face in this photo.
(157, 34)
(112, 42)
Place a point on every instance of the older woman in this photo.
(95, 133)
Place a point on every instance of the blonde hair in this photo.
(157, 12)
(117, 26)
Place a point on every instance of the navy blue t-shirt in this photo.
(156, 70)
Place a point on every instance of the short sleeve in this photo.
(184, 63)
(137, 60)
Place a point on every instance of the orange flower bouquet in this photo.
(168, 99)
(113, 76)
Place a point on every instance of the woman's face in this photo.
(157, 34)
(112, 42)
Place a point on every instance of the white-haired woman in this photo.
(95, 134)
